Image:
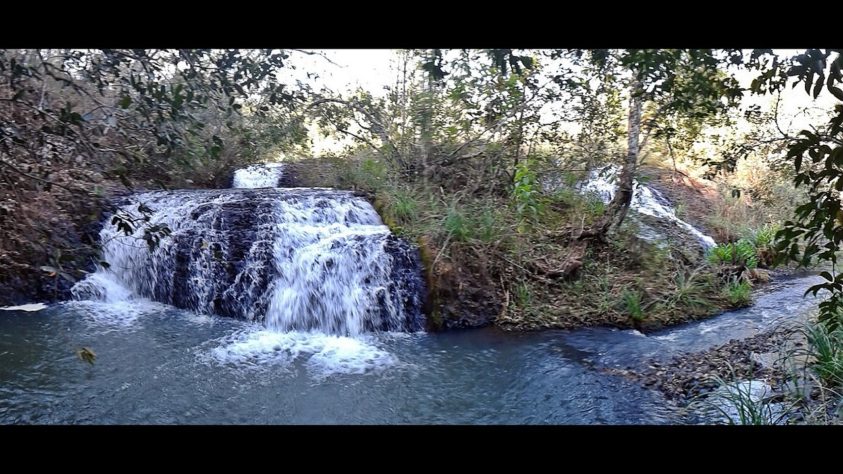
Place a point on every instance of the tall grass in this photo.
(632, 301)
(825, 348)
(746, 407)
(456, 224)
(738, 293)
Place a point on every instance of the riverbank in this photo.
(772, 374)
(689, 376)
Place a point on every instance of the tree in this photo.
(680, 83)
(816, 232)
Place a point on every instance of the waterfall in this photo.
(645, 200)
(296, 259)
(258, 176)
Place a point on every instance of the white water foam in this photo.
(117, 314)
(29, 307)
(326, 354)
(258, 176)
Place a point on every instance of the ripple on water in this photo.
(121, 314)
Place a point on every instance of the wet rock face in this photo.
(220, 254)
(297, 259)
(406, 282)
(471, 309)
(466, 301)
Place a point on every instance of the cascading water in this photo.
(297, 259)
(258, 176)
(644, 200)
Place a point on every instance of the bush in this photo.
(764, 241)
(742, 252)
(632, 301)
(738, 293)
(529, 201)
(456, 225)
(825, 346)
(690, 294)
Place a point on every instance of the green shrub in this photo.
(488, 226)
(738, 293)
(456, 225)
(742, 252)
(689, 294)
(764, 241)
(404, 206)
(523, 296)
(632, 301)
(529, 202)
(825, 346)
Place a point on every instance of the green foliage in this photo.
(522, 294)
(742, 252)
(102, 92)
(128, 222)
(764, 241)
(404, 207)
(825, 346)
(457, 225)
(815, 233)
(764, 237)
(488, 226)
(595, 207)
(690, 293)
(738, 293)
(632, 302)
(529, 201)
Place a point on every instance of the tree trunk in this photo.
(519, 141)
(616, 212)
(427, 129)
(618, 207)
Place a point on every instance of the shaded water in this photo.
(158, 364)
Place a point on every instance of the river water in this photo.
(158, 364)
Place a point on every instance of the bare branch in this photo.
(317, 53)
